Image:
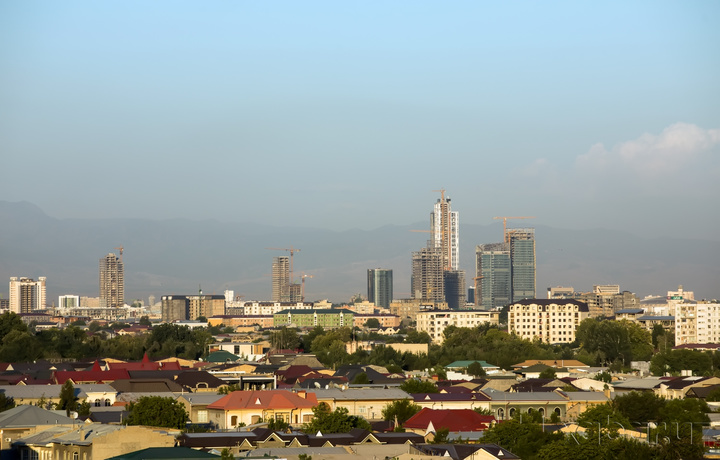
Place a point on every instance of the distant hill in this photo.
(177, 256)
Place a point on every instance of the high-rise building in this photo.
(69, 301)
(454, 283)
(27, 294)
(112, 281)
(427, 280)
(380, 286)
(281, 279)
(522, 257)
(493, 272)
(444, 232)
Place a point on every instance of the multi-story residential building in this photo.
(604, 300)
(191, 307)
(454, 284)
(281, 279)
(445, 232)
(68, 301)
(254, 308)
(697, 322)
(434, 322)
(427, 280)
(522, 256)
(409, 308)
(327, 319)
(26, 294)
(380, 286)
(112, 281)
(550, 320)
(493, 275)
(385, 320)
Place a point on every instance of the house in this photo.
(430, 420)
(462, 452)
(196, 405)
(95, 375)
(677, 388)
(176, 453)
(452, 400)
(249, 407)
(506, 405)
(27, 419)
(199, 381)
(93, 440)
(362, 402)
(95, 394)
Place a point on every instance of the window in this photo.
(202, 416)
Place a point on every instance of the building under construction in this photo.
(427, 280)
(283, 289)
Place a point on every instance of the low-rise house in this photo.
(580, 401)
(644, 384)
(677, 388)
(461, 452)
(92, 441)
(367, 403)
(44, 395)
(199, 381)
(506, 405)
(196, 405)
(455, 420)
(249, 407)
(24, 420)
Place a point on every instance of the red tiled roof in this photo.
(452, 419)
(267, 399)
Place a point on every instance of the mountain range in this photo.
(180, 256)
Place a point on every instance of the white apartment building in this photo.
(270, 308)
(550, 320)
(26, 294)
(697, 322)
(434, 322)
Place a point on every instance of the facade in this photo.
(281, 279)
(427, 280)
(444, 232)
(252, 308)
(328, 319)
(112, 281)
(241, 408)
(454, 285)
(551, 321)
(522, 255)
(385, 320)
(409, 308)
(380, 286)
(493, 272)
(191, 307)
(68, 301)
(697, 322)
(604, 300)
(434, 322)
(26, 294)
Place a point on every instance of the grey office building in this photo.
(380, 286)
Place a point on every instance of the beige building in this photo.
(409, 308)
(112, 281)
(550, 320)
(434, 322)
(27, 295)
(697, 322)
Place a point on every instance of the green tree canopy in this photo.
(157, 411)
(68, 401)
(414, 386)
(372, 323)
(548, 373)
(476, 370)
(400, 410)
(338, 421)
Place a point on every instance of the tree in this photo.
(476, 370)
(548, 373)
(225, 454)
(603, 418)
(68, 400)
(277, 424)
(361, 379)
(157, 411)
(6, 402)
(145, 321)
(372, 323)
(338, 421)
(10, 321)
(442, 436)
(83, 409)
(414, 386)
(400, 411)
(523, 438)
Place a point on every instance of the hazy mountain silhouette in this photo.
(177, 256)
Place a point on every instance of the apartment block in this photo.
(436, 321)
(550, 320)
(27, 295)
(327, 319)
(409, 308)
(697, 323)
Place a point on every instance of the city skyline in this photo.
(335, 116)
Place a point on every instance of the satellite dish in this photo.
(73, 415)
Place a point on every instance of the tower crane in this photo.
(292, 251)
(120, 248)
(302, 287)
(505, 219)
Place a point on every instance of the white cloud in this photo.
(649, 155)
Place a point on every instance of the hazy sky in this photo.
(350, 114)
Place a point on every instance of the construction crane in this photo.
(505, 219)
(302, 287)
(120, 248)
(292, 251)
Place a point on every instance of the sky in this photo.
(348, 115)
